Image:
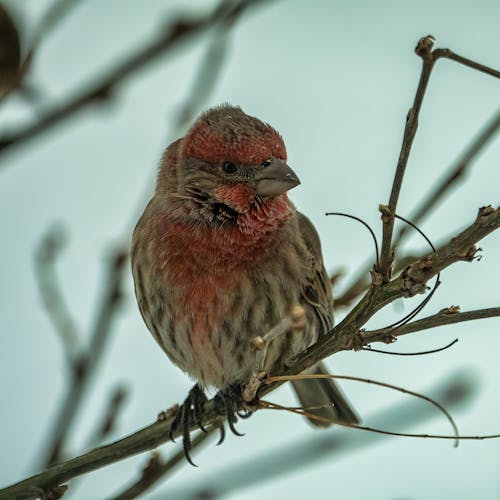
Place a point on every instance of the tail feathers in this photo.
(324, 392)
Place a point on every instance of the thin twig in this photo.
(479, 437)
(100, 89)
(448, 54)
(312, 376)
(423, 50)
(106, 426)
(369, 348)
(50, 292)
(442, 318)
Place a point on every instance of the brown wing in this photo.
(317, 290)
(322, 396)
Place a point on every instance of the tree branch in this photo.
(429, 57)
(448, 316)
(423, 50)
(410, 282)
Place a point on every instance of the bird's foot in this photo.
(189, 412)
(227, 403)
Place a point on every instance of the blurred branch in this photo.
(346, 335)
(101, 89)
(85, 365)
(157, 469)
(45, 260)
(206, 77)
(449, 316)
(56, 12)
(453, 393)
(202, 87)
(112, 411)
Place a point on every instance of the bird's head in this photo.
(226, 165)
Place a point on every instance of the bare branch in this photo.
(112, 411)
(429, 57)
(448, 316)
(423, 50)
(410, 282)
(448, 54)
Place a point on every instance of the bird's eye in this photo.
(266, 163)
(229, 167)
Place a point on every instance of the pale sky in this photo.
(336, 78)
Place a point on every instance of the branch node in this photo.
(424, 46)
(166, 415)
(410, 286)
(356, 342)
(153, 466)
(450, 310)
(54, 493)
(485, 211)
(386, 212)
(469, 254)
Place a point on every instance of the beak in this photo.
(275, 179)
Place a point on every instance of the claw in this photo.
(190, 410)
(226, 400)
(222, 431)
(198, 399)
(186, 436)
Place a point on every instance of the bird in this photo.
(220, 255)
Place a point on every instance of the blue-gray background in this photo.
(336, 78)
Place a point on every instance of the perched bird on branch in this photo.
(221, 255)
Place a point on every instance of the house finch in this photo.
(221, 255)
